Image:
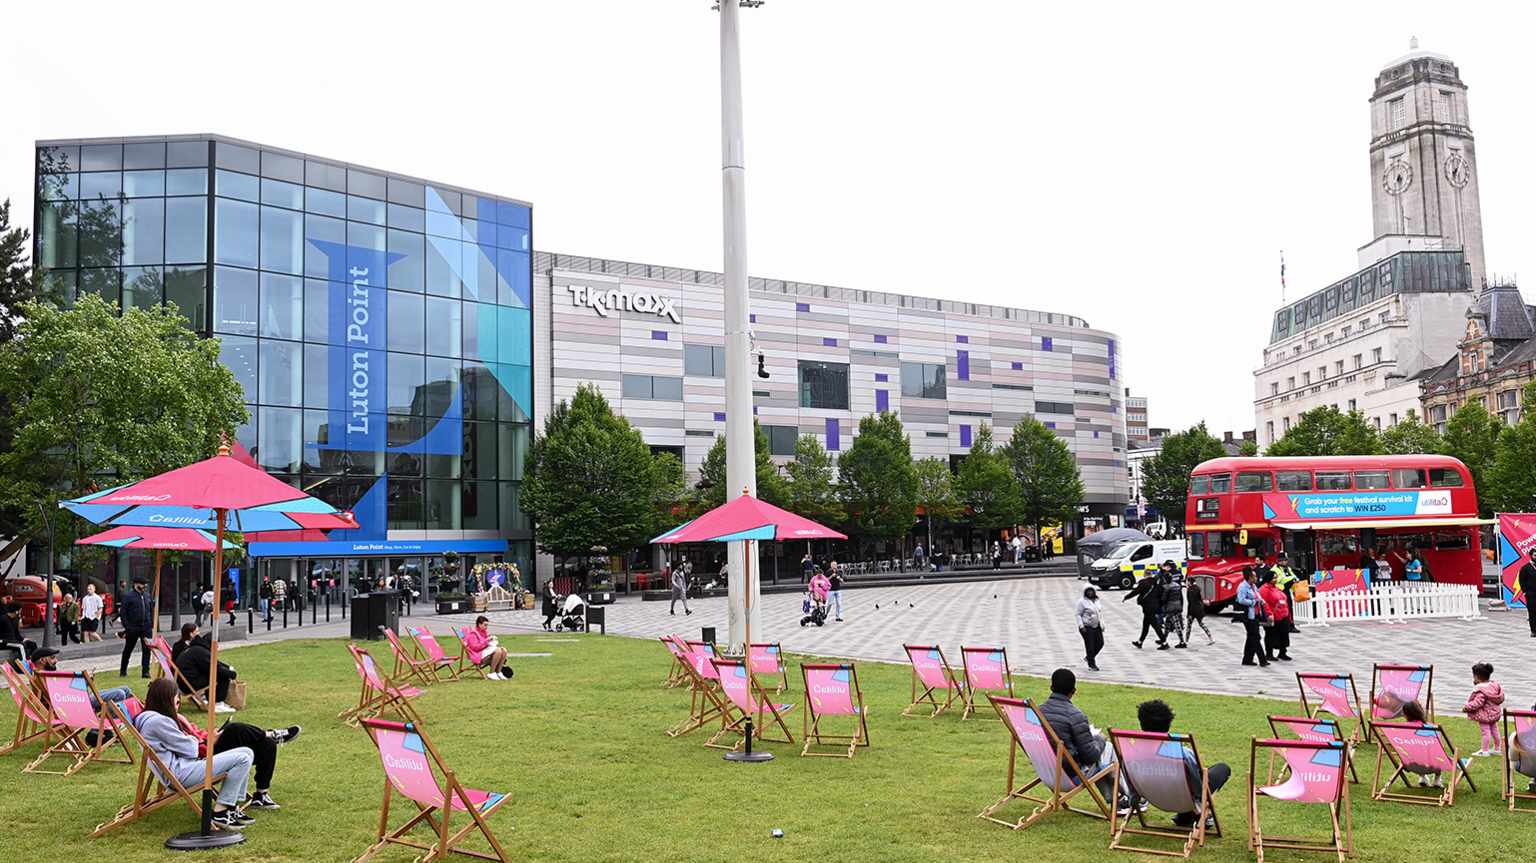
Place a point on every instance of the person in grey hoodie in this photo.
(1090, 625)
(178, 750)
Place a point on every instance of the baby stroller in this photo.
(815, 608)
(572, 614)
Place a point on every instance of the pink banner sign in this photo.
(1340, 579)
(1517, 538)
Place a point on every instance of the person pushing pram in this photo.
(816, 599)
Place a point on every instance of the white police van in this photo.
(1133, 560)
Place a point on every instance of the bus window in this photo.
(1333, 480)
(1408, 477)
(1293, 480)
(1371, 479)
(1451, 542)
(1444, 477)
(1197, 546)
(1221, 483)
(1221, 544)
(1254, 481)
(1199, 485)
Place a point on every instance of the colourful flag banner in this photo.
(1329, 580)
(1517, 536)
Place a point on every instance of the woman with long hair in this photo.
(183, 756)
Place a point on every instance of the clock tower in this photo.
(1423, 162)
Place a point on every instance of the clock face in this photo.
(1457, 170)
(1397, 178)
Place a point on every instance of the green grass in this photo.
(579, 738)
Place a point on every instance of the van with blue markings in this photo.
(1133, 560)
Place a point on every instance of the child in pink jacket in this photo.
(1484, 707)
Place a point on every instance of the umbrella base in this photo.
(198, 840)
(753, 757)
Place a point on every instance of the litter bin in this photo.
(597, 616)
(708, 635)
(373, 610)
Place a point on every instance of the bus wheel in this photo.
(1127, 581)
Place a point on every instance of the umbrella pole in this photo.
(154, 622)
(748, 754)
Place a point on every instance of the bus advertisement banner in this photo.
(1517, 536)
(1330, 580)
(1355, 504)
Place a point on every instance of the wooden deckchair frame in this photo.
(927, 696)
(1066, 767)
(1511, 746)
(783, 667)
(438, 665)
(1192, 835)
(1445, 796)
(765, 707)
(706, 702)
(156, 786)
(465, 665)
(33, 721)
(376, 702)
(451, 789)
(407, 663)
(1343, 842)
(811, 731)
(161, 651)
(1311, 712)
(676, 676)
(1427, 700)
(968, 692)
(1277, 722)
(72, 740)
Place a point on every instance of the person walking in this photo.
(69, 619)
(90, 613)
(1171, 599)
(265, 595)
(680, 592)
(997, 555)
(208, 605)
(1525, 582)
(1194, 610)
(1252, 609)
(551, 602)
(138, 616)
(917, 558)
(1277, 637)
(835, 592)
(1147, 596)
(807, 565)
(1090, 625)
(1484, 707)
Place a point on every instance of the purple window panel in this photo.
(880, 340)
(833, 443)
(1045, 343)
(830, 343)
(1018, 367)
(965, 435)
(964, 340)
(1095, 434)
(719, 416)
(1117, 462)
(1050, 425)
(752, 318)
(1114, 409)
(882, 377)
(882, 400)
(963, 361)
(802, 307)
(659, 335)
(754, 410)
(1111, 359)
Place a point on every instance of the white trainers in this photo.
(1423, 781)
(221, 707)
(1481, 753)
(1439, 782)
(493, 676)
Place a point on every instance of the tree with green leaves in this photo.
(1511, 481)
(986, 486)
(100, 399)
(1050, 487)
(877, 480)
(1411, 437)
(1248, 448)
(18, 283)
(1326, 430)
(589, 479)
(1165, 476)
(936, 494)
(813, 482)
(1472, 436)
(770, 485)
(670, 495)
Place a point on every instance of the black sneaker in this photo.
(231, 819)
(1184, 819)
(1182, 645)
(262, 800)
(1162, 647)
(285, 735)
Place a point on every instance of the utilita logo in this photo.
(623, 299)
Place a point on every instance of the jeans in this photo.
(836, 597)
(235, 762)
(116, 693)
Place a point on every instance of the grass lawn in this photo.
(579, 738)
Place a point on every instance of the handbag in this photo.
(236, 696)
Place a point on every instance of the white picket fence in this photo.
(1390, 603)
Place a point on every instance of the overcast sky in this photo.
(1138, 165)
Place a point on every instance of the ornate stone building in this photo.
(1494, 361)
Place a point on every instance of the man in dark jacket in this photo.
(1171, 600)
(138, 616)
(1091, 752)
(10, 631)
(1148, 595)
(1526, 583)
(193, 663)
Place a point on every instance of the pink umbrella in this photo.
(159, 539)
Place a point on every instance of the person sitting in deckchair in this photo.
(1084, 743)
(1413, 711)
(47, 659)
(1157, 717)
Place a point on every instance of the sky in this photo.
(1141, 166)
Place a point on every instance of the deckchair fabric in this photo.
(703, 652)
(33, 721)
(156, 786)
(768, 663)
(986, 669)
(1416, 749)
(931, 672)
(409, 759)
(195, 696)
(675, 675)
(407, 663)
(706, 702)
(1155, 767)
(1392, 686)
(1520, 759)
(378, 695)
(743, 704)
(1335, 693)
(69, 700)
(1314, 774)
(1317, 730)
(1054, 768)
(439, 661)
(465, 666)
(832, 690)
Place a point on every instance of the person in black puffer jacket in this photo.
(1091, 751)
(194, 667)
(1148, 595)
(1172, 597)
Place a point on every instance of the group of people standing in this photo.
(1264, 605)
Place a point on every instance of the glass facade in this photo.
(380, 326)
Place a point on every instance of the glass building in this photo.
(379, 324)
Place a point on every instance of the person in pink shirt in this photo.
(821, 586)
(1485, 707)
(484, 651)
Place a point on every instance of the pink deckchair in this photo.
(675, 675)
(832, 690)
(1155, 767)
(33, 721)
(157, 786)
(1392, 686)
(986, 669)
(69, 700)
(437, 659)
(162, 653)
(707, 704)
(1418, 749)
(408, 758)
(1519, 757)
(767, 662)
(408, 663)
(1337, 695)
(743, 704)
(465, 666)
(379, 695)
(1315, 774)
(1054, 768)
(931, 671)
(1316, 730)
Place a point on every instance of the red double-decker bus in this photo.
(1325, 512)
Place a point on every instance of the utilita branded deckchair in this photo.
(1317, 730)
(1392, 686)
(1520, 759)
(437, 659)
(931, 673)
(407, 663)
(744, 704)
(69, 700)
(1333, 693)
(1415, 749)
(833, 690)
(1054, 768)
(676, 676)
(33, 720)
(465, 666)
(986, 670)
(1155, 766)
(1314, 774)
(157, 786)
(379, 695)
(409, 758)
(196, 696)
(707, 703)
(768, 666)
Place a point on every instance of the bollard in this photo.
(327, 605)
(285, 614)
(269, 620)
(250, 621)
